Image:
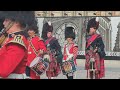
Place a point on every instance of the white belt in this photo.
(17, 76)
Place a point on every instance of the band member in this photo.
(13, 53)
(53, 49)
(70, 49)
(94, 50)
(36, 48)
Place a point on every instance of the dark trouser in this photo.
(94, 74)
(27, 71)
(69, 77)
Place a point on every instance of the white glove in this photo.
(63, 60)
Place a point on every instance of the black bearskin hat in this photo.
(25, 18)
(92, 23)
(34, 26)
(69, 33)
(47, 27)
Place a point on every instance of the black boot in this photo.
(91, 74)
(27, 71)
(69, 77)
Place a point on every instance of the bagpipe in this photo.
(52, 53)
(54, 67)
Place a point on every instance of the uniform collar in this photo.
(11, 35)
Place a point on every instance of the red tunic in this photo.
(73, 49)
(13, 56)
(38, 45)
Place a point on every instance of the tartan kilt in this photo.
(102, 68)
(99, 64)
(54, 69)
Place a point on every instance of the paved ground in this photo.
(112, 70)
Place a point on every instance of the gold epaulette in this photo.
(19, 40)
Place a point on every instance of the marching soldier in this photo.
(53, 49)
(36, 48)
(70, 50)
(94, 51)
(13, 53)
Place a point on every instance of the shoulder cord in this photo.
(35, 51)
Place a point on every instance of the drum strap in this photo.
(32, 46)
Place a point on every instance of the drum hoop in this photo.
(71, 71)
(43, 63)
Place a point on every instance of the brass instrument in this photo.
(3, 34)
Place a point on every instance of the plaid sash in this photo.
(48, 41)
(91, 39)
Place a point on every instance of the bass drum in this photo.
(68, 67)
(39, 65)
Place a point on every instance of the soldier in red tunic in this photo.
(70, 49)
(13, 53)
(36, 49)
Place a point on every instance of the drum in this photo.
(46, 58)
(68, 67)
(39, 65)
